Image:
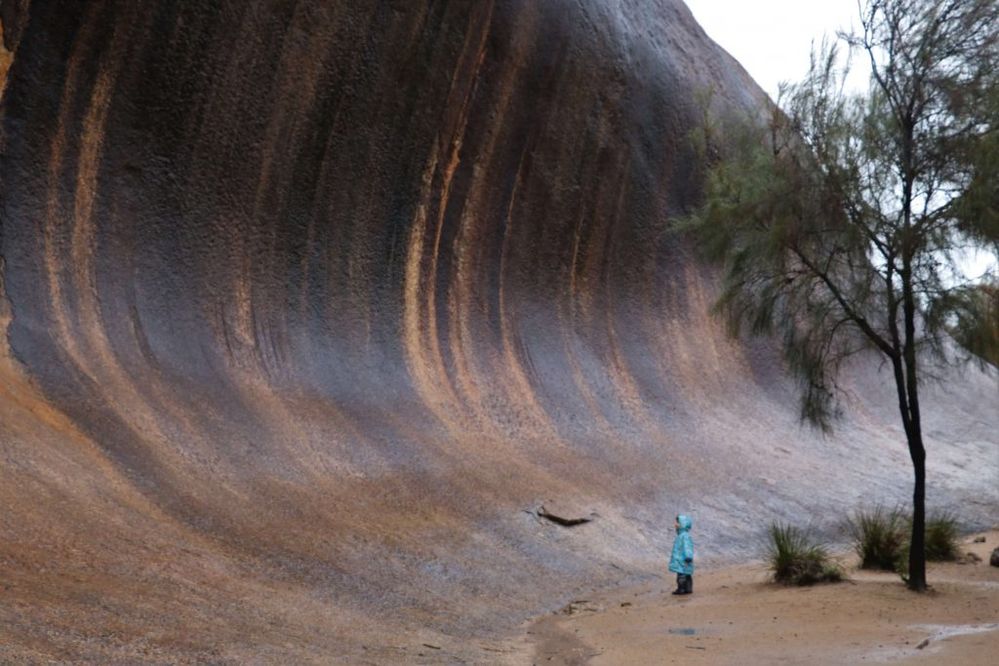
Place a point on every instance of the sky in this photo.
(772, 39)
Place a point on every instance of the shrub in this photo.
(796, 559)
(941, 537)
(879, 536)
(902, 564)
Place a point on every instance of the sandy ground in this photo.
(735, 616)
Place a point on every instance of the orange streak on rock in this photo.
(6, 57)
(628, 391)
(505, 377)
(425, 360)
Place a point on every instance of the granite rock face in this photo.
(310, 306)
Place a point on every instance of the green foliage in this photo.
(879, 535)
(840, 219)
(796, 559)
(941, 537)
(881, 538)
(971, 314)
(902, 563)
(941, 542)
(754, 221)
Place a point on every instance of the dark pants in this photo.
(684, 584)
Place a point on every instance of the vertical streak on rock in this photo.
(82, 237)
(297, 65)
(5, 60)
(85, 338)
(570, 339)
(417, 360)
(481, 376)
(54, 212)
(521, 387)
(424, 358)
(627, 388)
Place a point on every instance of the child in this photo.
(682, 560)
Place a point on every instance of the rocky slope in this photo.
(311, 306)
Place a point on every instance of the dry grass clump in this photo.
(797, 559)
(880, 536)
(941, 537)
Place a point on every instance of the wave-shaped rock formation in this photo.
(311, 306)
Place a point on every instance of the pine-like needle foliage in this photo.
(841, 219)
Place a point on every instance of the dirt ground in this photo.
(736, 616)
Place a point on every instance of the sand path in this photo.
(736, 617)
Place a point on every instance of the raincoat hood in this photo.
(685, 523)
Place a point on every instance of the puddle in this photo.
(987, 584)
(682, 631)
(930, 643)
(941, 631)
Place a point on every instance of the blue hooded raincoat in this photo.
(682, 559)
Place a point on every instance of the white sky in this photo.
(772, 39)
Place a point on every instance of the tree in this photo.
(840, 218)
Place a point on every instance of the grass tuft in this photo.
(796, 559)
(879, 536)
(941, 537)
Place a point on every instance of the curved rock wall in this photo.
(313, 304)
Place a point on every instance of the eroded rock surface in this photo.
(305, 302)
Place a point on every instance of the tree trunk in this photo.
(908, 394)
(917, 550)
